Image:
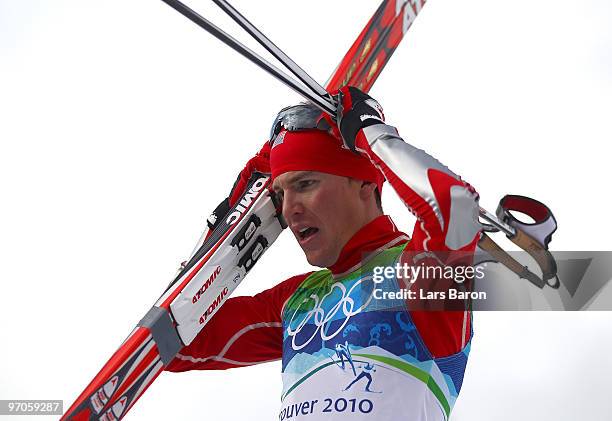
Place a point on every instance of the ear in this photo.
(367, 190)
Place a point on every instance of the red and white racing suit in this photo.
(346, 353)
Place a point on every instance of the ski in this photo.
(317, 97)
(224, 256)
(374, 46)
(189, 302)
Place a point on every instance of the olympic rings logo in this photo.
(322, 320)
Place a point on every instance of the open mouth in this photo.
(307, 232)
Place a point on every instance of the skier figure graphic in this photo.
(366, 372)
(342, 352)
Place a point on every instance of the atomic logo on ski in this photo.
(211, 308)
(247, 200)
(206, 284)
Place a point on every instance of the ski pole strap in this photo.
(532, 237)
(500, 255)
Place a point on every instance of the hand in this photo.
(260, 163)
(356, 110)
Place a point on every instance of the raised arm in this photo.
(447, 229)
(446, 207)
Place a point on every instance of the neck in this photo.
(378, 234)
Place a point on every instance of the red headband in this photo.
(317, 150)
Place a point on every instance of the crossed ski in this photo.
(223, 257)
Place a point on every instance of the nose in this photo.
(292, 205)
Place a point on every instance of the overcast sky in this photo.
(122, 125)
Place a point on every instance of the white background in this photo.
(122, 125)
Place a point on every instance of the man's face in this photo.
(322, 210)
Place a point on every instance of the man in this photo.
(329, 178)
